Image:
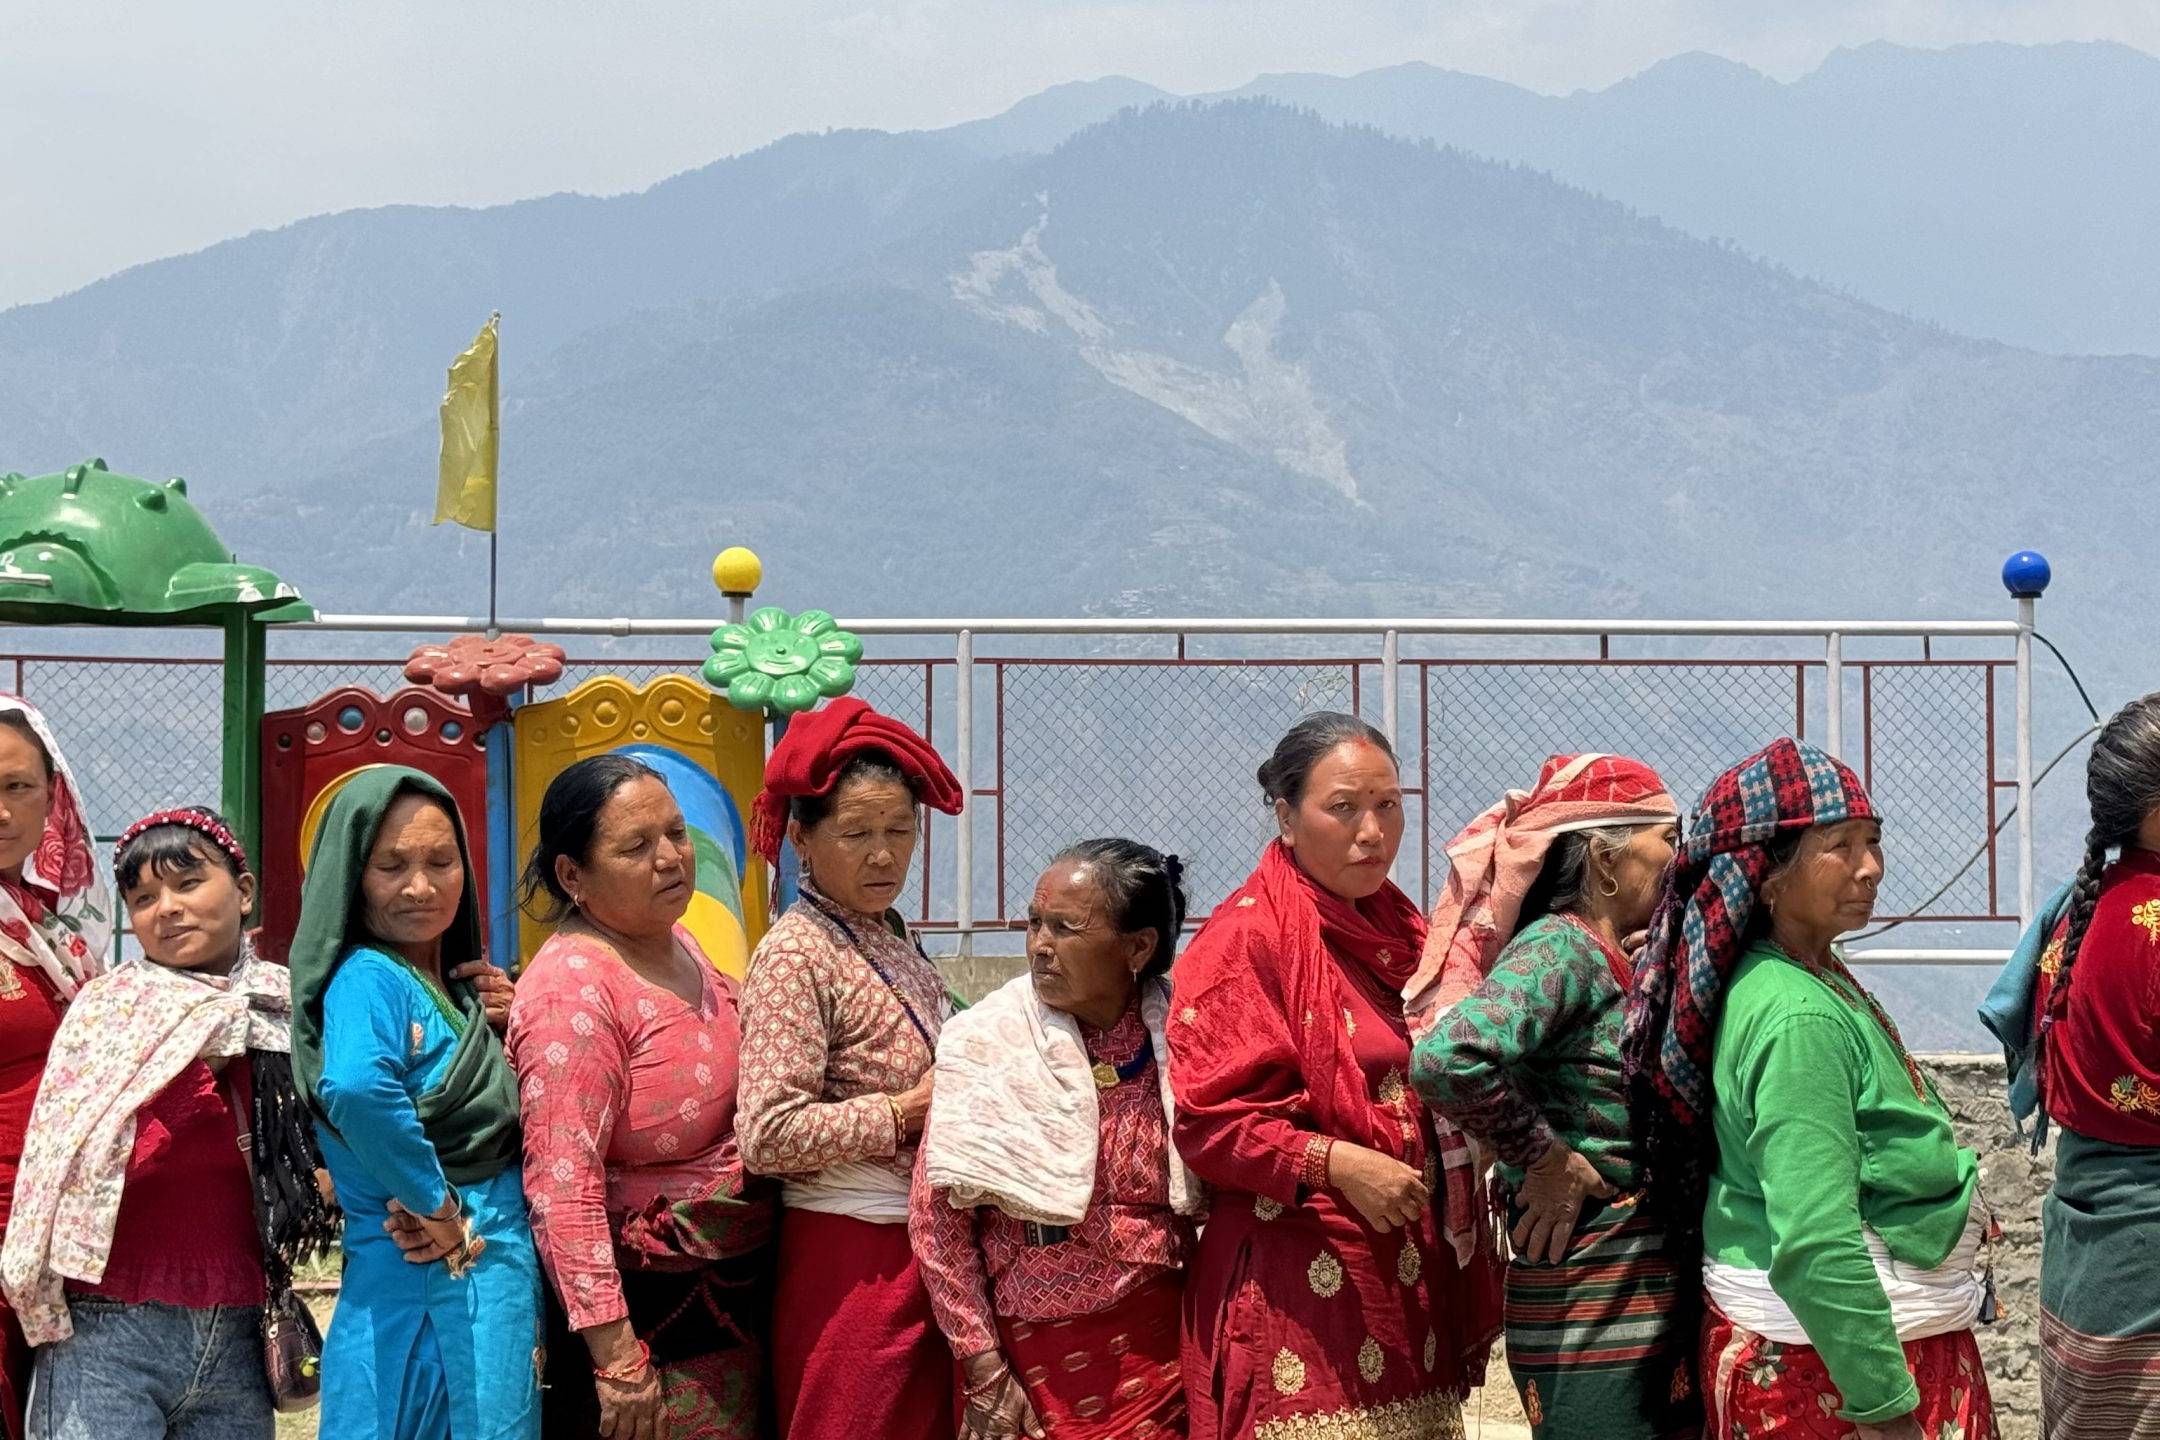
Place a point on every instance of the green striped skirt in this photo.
(1596, 1343)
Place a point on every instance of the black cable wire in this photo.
(2067, 670)
(1958, 874)
(2009, 814)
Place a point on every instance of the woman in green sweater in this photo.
(1842, 1233)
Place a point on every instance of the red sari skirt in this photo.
(1305, 1321)
(1753, 1386)
(855, 1350)
(1107, 1376)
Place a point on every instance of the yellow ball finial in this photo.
(737, 570)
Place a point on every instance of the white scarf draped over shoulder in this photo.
(1015, 1115)
(128, 1034)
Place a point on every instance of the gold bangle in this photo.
(899, 1119)
(1313, 1164)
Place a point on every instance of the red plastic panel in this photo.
(309, 750)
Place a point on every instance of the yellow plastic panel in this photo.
(675, 713)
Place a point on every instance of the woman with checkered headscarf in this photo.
(1789, 1133)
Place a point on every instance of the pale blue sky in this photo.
(133, 129)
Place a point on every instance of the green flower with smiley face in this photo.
(780, 663)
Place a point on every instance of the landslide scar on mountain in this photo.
(1268, 407)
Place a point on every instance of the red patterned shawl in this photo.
(1277, 954)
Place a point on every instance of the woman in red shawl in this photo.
(56, 925)
(841, 1012)
(1341, 1287)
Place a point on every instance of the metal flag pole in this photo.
(495, 496)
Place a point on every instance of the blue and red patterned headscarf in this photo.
(1704, 923)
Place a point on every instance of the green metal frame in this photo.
(246, 677)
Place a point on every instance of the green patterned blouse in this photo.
(1533, 1054)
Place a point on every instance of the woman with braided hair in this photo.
(144, 1242)
(1790, 1137)
(2078, 1010)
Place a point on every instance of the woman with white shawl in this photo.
(1050, 1215)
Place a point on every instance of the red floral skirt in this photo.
(1754, 1388)
(1109, 1375)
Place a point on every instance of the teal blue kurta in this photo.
(413, 1354)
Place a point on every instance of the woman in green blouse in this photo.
(1842, 1233)
(1547, 895)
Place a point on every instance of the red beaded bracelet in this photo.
(626, 1373)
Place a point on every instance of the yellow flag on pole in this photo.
(465, 491)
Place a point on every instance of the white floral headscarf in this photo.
(58, 918)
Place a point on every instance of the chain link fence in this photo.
(1068, 746)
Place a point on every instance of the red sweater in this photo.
(186, 1232)
(2103, 1056)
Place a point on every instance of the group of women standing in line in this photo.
(1244, 1199)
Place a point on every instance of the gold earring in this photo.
(1610, 888)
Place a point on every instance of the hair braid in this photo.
(2084, 900)
(296, 1220)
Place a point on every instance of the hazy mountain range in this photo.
(2006, 191)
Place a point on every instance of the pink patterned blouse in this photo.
(982, 1264)
(838, 1013)
(626, 1094)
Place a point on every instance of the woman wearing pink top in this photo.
(625, 1041)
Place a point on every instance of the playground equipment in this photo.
(89, 546)
(465, 720)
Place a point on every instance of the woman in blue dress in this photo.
(437, 1330)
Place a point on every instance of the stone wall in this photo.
(2014, 1181)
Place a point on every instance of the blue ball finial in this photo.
(2026, 574)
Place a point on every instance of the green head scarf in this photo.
(471, 1118)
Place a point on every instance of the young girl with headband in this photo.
(169, 1184)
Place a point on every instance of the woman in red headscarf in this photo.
(1519, 1003)
(1340, 1287)
(841, 1011)
(56, 927)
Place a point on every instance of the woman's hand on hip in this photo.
(997, 1405)
(1388, 1193)
(1552, 1196)
(424, 1239)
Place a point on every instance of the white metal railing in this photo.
(963, 633)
